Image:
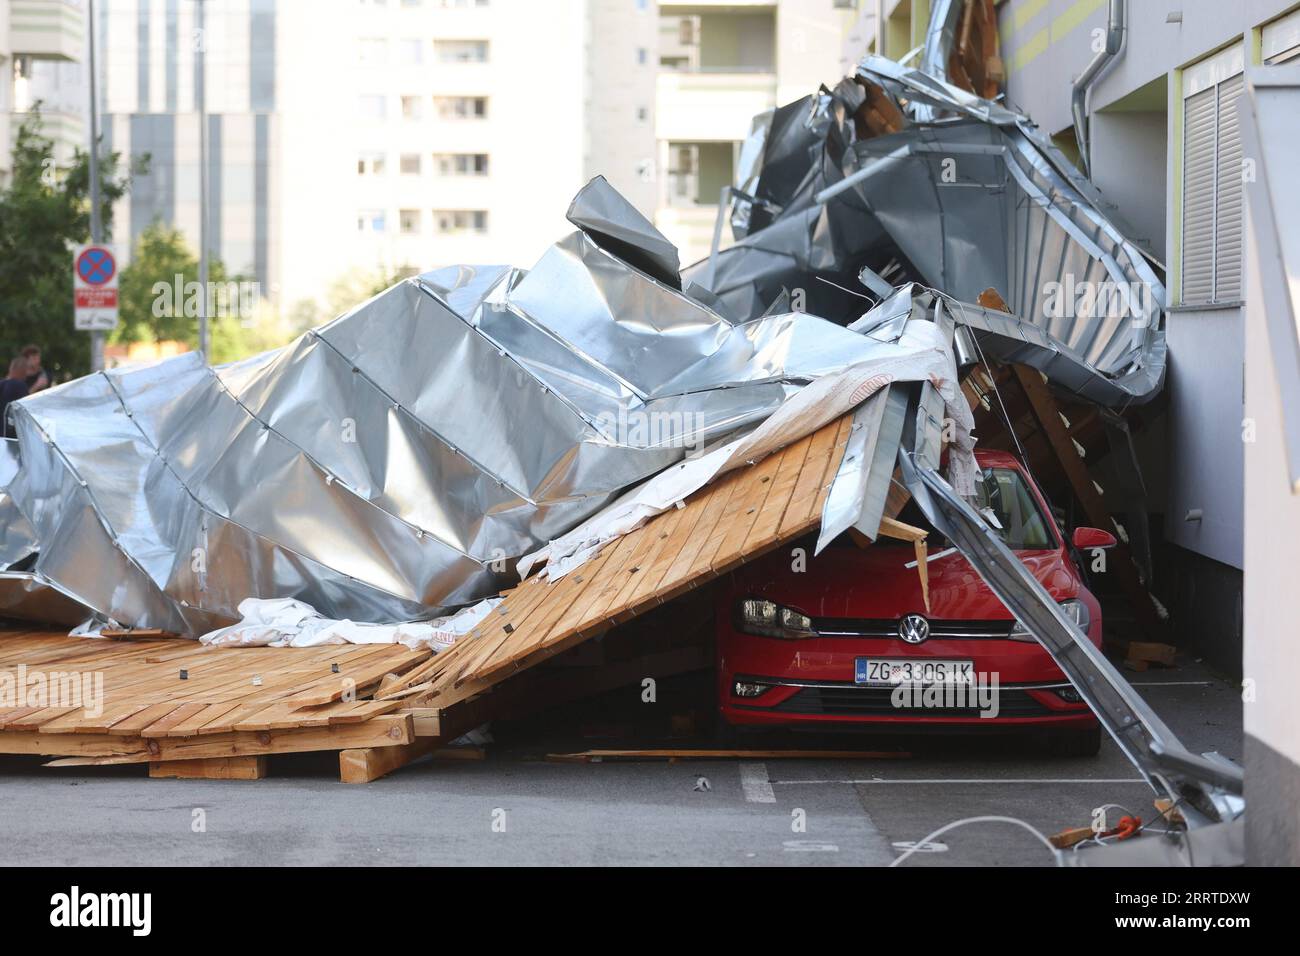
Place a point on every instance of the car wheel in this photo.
(1075, 743)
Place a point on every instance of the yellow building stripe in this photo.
(1026, 12)
(1061, 26)
(1073, 16)
(1030, 50)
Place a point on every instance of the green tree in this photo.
(159, 299)
(152, 296)
(44, 211)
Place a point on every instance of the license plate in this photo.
(890, 672)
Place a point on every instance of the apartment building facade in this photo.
(42, 46)
(422, 133)
(718, 65)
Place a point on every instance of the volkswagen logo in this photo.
(914, 629)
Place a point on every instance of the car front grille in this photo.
(887, 627)
(852, 701)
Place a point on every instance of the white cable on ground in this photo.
(1056, 854)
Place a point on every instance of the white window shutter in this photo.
(1228, 208)
(1199, 120)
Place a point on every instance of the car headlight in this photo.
(755, 616)
(1074, 609)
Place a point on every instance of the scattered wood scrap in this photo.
(1068, 838)
(1151, 652)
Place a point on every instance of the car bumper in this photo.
(824, 706)
(810, 683)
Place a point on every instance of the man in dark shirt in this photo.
(11, 389)
(37, 379)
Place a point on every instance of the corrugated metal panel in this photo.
(1199, 116)
(1228, 204)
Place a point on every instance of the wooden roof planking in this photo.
(741, 515)
(177, 699)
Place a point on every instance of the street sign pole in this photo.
(200, 96)
(96, 226)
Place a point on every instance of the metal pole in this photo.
(96, 226)
(200, 96)
(881, 42)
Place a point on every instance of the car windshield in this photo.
(1005, 500)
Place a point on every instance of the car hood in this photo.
(876, 582)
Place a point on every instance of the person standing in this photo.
(13, 388)
(37, 379)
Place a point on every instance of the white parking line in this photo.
(931, 780)
(753, 780)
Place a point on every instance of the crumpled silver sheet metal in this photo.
(393, 463)
(17, 536)
(975, 199)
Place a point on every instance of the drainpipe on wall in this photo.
(1115, 30)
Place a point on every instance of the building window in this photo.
(412, 107)
(739, 40)
(1281, 38)
(462, 164)
(408, 221)
(411, 51)
(372, 52)
(372, 107)
(462, 107)
(642, 114)
(370, 164)
(1212, 180)
(371, 221)
(641, 55)
(410, 164)
(454, 221)
(697, 172)
(461, 51)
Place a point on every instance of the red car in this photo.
(844, 639)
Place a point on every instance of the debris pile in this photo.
(634, 427)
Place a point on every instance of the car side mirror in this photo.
(1085, 539)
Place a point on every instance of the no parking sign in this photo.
(94, 284)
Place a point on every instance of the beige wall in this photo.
(620, 142)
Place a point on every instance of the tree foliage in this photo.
(44, 211)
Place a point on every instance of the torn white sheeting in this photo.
(284, 622)
(924, 356)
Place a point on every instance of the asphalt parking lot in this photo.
(516, 808)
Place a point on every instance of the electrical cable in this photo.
(1056, 854)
